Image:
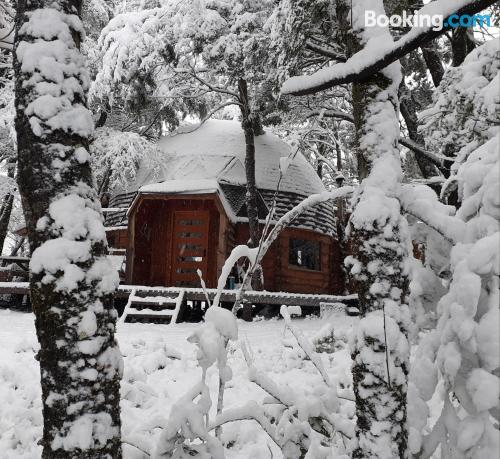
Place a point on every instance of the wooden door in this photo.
(189, 247)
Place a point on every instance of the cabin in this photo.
(188, 212)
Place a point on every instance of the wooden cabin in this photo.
(191, 213)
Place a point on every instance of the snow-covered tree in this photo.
(380, 242)
(72, 282)
(462, 353)
(379, 263)
(462, 113)
(379, 233)
(116, 157)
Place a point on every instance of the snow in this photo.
(224, 321)
(84, 430)
(119, 154)
(216, 151)
(182, 186)
(422, 202)
(77, 223)
(484, 389)
(88, 324)
(58, 78)
(155, 378)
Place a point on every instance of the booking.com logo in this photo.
(434, 21)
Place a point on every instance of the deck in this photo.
(227, 296)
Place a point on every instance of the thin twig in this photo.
(136, 447)
(204, 287)
(386, 350)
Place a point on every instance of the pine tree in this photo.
(71, 282)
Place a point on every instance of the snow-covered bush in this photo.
(189, 418)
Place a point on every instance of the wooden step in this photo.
(161, 302)
(156, 308)
(149, 318)
(146, 315)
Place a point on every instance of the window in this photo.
(305, 254)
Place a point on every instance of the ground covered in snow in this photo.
(160, 366)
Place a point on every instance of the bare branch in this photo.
(325, 51)
(439, 160)
(213, 88)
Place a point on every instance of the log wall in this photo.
(151, 261)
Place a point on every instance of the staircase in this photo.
(162, 307)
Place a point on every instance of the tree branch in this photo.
(207, 84)
(368, 63)
(325, 52)
(439, 160)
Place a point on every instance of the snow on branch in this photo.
(422, 203)
(287, 397)
(208, 116)
(374, 58)
(251, 411)
(437, 159)
(305, 345)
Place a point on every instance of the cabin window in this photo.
(304, 254)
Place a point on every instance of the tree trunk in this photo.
(338, 152)
(409, 113)
(7, 203)
(433, 62)
(248, 124)
(71, 280)
(380, 242)
(429, 49)
(461, 45)
(319, 169)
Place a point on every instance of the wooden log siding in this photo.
(117, 238)
(149, 246)
(280, 276)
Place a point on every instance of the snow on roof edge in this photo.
(210, 186)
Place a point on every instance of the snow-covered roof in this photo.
(211, 159)
(216, 150)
